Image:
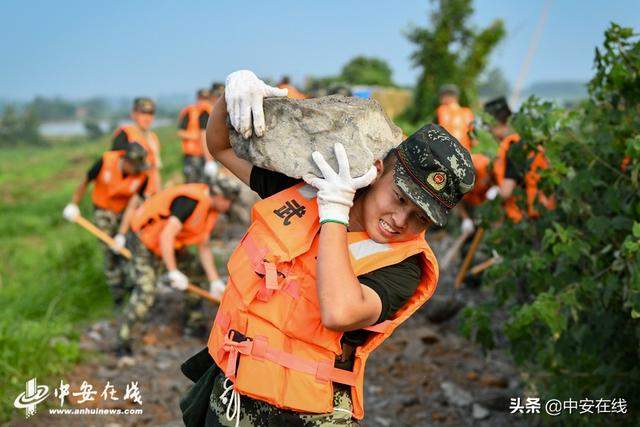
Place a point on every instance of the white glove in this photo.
(178, 280)
(216, 288)
(118, 242)
(244, 93)
(467, 226)
(70, 212)
(211, 168)
(336, 190)
(492, 193)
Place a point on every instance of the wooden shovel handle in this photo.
(469, 257)
(201, 292)
(88, 225)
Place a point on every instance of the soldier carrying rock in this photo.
(325, 273)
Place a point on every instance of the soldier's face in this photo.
(387, 214)
(143, 120)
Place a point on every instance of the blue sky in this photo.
(85, 48)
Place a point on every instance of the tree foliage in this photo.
(363, 70)
(448, 50)
(570, 281)
(19, 128)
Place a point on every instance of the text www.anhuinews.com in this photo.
(94, 411)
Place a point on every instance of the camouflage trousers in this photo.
(193, 169)
(115, 266)
(145, 269)
(256, 413)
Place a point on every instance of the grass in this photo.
(51, 279)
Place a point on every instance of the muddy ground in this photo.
(425, 374)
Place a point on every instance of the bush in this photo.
(570, 281)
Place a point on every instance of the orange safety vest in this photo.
(531, 178)
(457, 121)
(483, 180)
(193, 147)
(112, 190)
(150, 218)
(292, 93)
(271, 298)
(149, 141)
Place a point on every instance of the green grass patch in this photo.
(51, 278)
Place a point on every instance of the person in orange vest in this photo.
(454, 118)
(292, 92)
(325, 273)
(477, 196)
(117, 176)
(514, 168)
(166, 222)
(192, 123)
(142, 114)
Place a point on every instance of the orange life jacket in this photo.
(112, 190)
(194, 147)
(150, 218)
(292, 93)
(483, 180)
(149, 141)
(531, 179)
(457, 121)
(271, 298)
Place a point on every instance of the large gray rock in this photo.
(296, 128)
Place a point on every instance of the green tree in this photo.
(448, 50)
(363, 70)
(570, 280)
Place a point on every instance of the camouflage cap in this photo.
(137, 155)
(144, 105)
(434, 170)
(225, 186)
(499, 109)
(449, 89)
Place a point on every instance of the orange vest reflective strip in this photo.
(457, 121)
(112, 190)
(150, 218)
(268, 335)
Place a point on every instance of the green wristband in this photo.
(334, 220)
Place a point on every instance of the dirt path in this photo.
(425, 374)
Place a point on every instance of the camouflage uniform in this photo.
(144, 271)
(115, 266)
(258, 413)
(194, 169)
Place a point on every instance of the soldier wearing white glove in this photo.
(119, 241)
(211, 168)
(492, 192)
(244, 93)
(71, 212)
(178, 280)
(216, 288)
(336, 190)
(467, 226)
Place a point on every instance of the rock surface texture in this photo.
(296, 128)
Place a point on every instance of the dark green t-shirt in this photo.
(394, 284)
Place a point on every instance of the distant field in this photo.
(51, 280)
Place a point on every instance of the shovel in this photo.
(88, 225)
